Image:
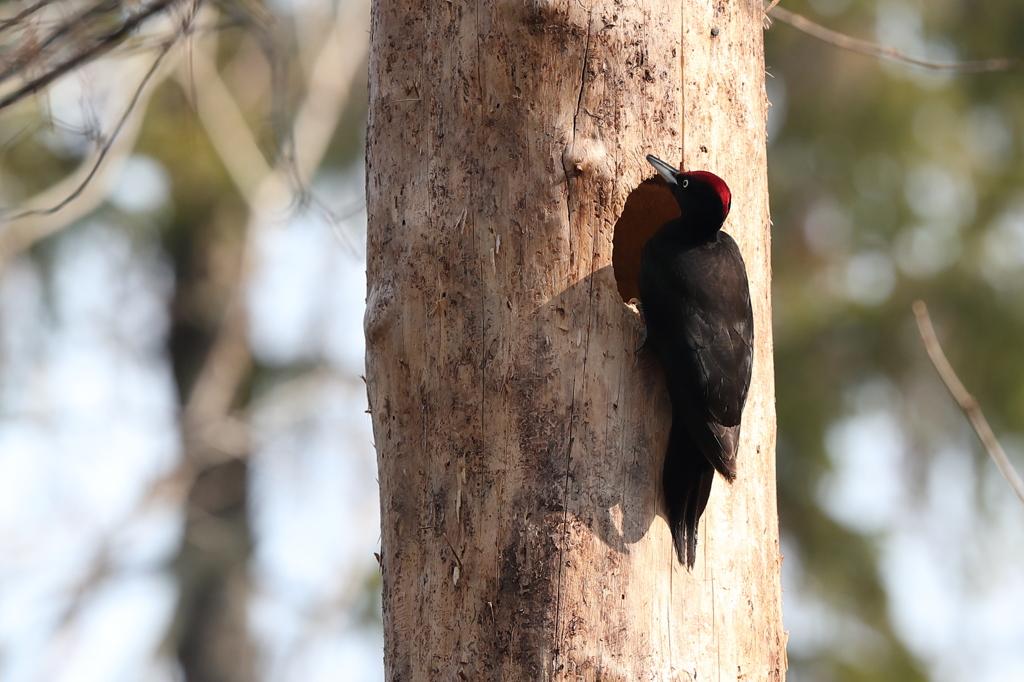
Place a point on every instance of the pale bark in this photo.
(520, 438)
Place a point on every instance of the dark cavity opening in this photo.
(647, 208)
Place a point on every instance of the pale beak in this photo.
(666, 171)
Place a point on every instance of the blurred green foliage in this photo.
(888, 184)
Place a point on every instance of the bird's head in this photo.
(702, 196)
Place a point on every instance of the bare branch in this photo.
(881, 51)
(80, 192)
(225, 124)
(267, 190)
(968, 403)
(48, 212)
(102, 45)
(104, 149)
(334, 70)
(21, 16)
(31, 51)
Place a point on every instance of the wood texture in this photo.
(519, 436)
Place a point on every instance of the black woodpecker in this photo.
(696, 305)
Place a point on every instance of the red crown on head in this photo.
(718, 183)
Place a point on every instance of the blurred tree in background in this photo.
(186, 471)
(891, 183)
(186, 476)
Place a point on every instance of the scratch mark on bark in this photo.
(572, 405)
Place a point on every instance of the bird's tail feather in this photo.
(686, 480)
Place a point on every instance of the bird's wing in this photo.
(718, 376)
(721, 349)
(714, 336)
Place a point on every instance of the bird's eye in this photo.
(686, 182)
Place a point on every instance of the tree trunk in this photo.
(520, 437)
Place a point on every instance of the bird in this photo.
(695, 302)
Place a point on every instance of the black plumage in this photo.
(696, 305)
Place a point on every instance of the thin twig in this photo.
(50, 211)
(59, 36)
(103, 44)
(968, 403)
(765, 19)
(883, 52)
(104, 150)
(18, 18)
(267, 192)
